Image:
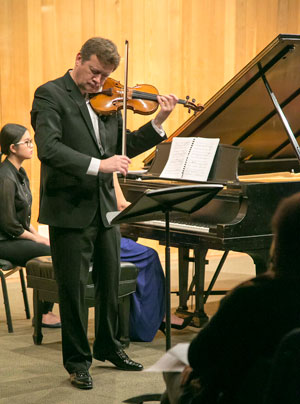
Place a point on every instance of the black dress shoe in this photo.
(56, 325)
(82, 380)
(187, 321)
(120, 360)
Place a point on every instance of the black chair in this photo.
(7, 268)
(40, 277)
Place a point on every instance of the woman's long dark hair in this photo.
(286, 242)
(11, 133)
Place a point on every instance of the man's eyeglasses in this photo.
(29, 143)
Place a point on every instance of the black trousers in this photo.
(19, 251)
(72, 252)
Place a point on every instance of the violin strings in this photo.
(146, 96)
(151, 97)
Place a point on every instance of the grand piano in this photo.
(256, 117)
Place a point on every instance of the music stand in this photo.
(186, 199)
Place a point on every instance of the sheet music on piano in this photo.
(190, 158)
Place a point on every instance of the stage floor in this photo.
(34, 374)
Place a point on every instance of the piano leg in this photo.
(200, 317)
(183, 274)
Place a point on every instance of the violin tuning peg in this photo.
(193, 100)
(187, 97)
(189, 110)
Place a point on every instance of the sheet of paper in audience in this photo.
(174, 360)
(190, 158)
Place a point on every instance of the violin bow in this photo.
(125, 100)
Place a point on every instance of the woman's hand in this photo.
(185, 375)
(42, 240)
(123, 205)
(33, 235)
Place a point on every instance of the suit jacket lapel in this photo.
(76, 95)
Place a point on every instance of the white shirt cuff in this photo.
(94, 166)
(160, 131)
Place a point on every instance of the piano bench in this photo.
(40, 277)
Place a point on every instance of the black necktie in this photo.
(102, 134)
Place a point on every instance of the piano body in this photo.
(257, 118)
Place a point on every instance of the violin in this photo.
(141, 99)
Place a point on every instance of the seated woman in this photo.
(19, 241)
(148, 302)
(231, 357)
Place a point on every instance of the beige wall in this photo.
(188, 47)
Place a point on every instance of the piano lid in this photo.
(242, 113)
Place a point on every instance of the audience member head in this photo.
(286, 230)
(10, 134)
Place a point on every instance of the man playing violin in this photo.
(79, 152)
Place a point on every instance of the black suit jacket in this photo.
(229, 354)
(15, 197)
(66, 142)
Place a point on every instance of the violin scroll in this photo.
(191, 105)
